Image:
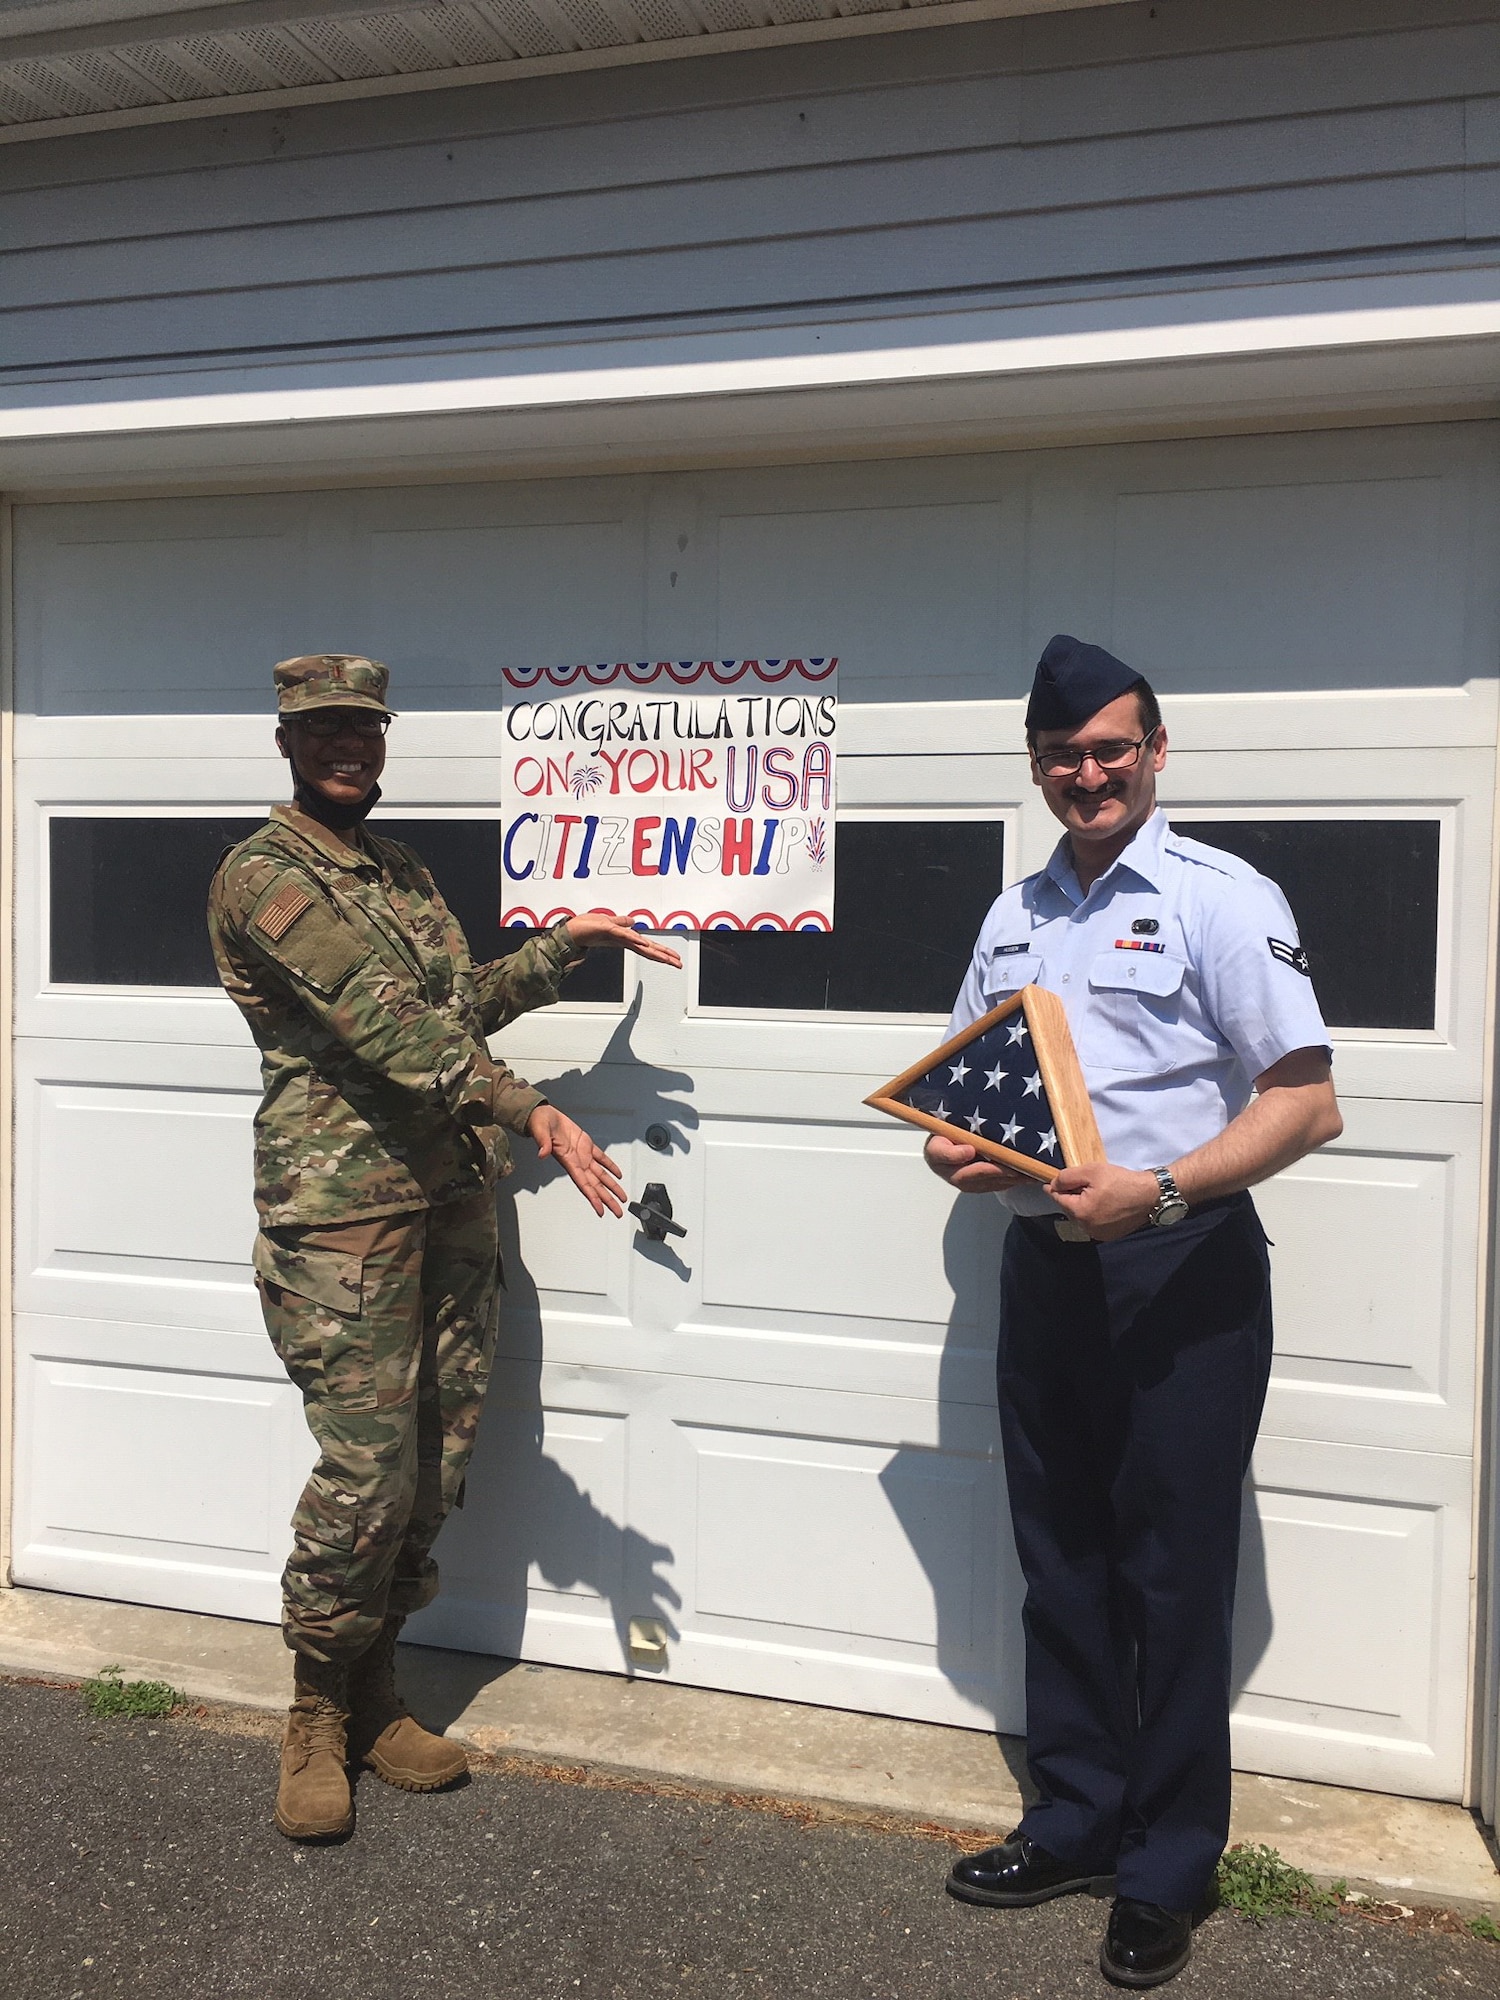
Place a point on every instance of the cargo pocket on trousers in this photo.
(314, 1297)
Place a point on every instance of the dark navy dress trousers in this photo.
(1131, 1380)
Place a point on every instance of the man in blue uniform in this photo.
(1135, 1317)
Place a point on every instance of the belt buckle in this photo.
(1070, 1231)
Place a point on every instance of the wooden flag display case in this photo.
(1010, 1086)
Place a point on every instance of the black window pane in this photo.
(464, 857)
(909, 898)
(129, 898)
(1365, 896)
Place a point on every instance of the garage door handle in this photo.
(654, 1213)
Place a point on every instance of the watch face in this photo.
(1169, 1211)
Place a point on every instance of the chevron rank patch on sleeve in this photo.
(277, 916)
(1290, 954)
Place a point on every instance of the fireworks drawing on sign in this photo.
(1010, 1086)
(585, 781)
(817, 844)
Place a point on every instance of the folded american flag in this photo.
(993, 1088)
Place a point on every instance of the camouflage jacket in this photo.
(370, 1018)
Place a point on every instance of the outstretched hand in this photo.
(587, 1166)
(598, 927)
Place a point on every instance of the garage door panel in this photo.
(1353, 1578)
(856, 1226)
(879, 586)
(190, 580)
(838, 1526)
(795, 1532)
(548, 592)
(137, 1207)
(551, 1253)
(1364, 583)
(209, 1529)
(1339, 522)
(1375, 1240)
(542, 1561)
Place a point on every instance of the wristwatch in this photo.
(1172, 1207)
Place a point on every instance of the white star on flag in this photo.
(1008, 1135)
(958, 1071)
(1048, 1141)
(1017, 1030)
(974, 1122)
(941, 1111)
(1033, 1085)
(995, 1077)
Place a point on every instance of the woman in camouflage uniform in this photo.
(380, 1138)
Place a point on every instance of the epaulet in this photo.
(1215, 860)
(377, 840)
(406, 856)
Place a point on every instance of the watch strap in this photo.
(1171, 1195)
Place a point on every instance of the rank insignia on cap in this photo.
(283, 910)
(1290, 954)
(1145, 927)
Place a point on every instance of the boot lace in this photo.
(323, 1728)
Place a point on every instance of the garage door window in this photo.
(128, 897)
(1365, 896)
(909, 899)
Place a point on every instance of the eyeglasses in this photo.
(1122, 755)
(327, 722)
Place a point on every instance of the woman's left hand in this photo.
(588, 1166)
(595, 927)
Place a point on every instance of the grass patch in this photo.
(1486, 1928)
(111, 1695)
(1258, 1885)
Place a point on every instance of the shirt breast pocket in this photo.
(1008, 972)
(1133, 1021)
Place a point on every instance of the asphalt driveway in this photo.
(138, 1858)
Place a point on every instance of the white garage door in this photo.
(777, 1436)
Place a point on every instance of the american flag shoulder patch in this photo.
(275, 918)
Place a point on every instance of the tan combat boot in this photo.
(313, 1800)
(385, 1735)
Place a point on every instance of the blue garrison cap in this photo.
(1074, 681)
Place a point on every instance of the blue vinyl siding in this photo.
(1003, 161)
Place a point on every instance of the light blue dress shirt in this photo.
(1182, 978)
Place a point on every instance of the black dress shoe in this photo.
(1145, 1944)
(1018, 1873)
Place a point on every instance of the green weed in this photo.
(1485, 1927)
(1257, 1884)
(111, 1695)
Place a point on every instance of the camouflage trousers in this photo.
(387, 1327)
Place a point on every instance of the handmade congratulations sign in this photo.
(1010, 1086)
(684, 794)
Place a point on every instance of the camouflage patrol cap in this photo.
(330, 680)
